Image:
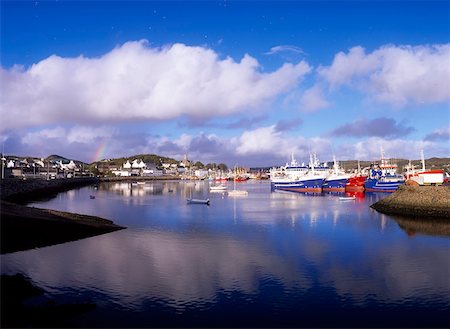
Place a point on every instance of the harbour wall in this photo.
(19, 190)
(417, 201)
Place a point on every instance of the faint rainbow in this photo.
(100, 151)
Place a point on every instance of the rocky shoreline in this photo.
(417, 201)
(24, 228)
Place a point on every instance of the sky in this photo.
(244, 83)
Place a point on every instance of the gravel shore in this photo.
(417, 201)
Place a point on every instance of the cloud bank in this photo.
(135, 81)
(380, 127)
(396, 75)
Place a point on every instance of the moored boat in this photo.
(383, 177)
(305, 179)
(356, 181)
(197, 201)
(336, 180)
(423, 176)
(218, 188)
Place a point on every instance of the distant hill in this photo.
(438, 163)
(51, 158)
(55, 157)
(152, 158)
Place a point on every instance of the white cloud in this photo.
(134, 82)
(285, 48)
(275, 145)
(313, 99)
(265, 146)
(370, 149)
(86, 135)
(440, 134)
(44, 136)
(397, 75)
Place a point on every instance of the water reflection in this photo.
(155, 264)
(425, 226)
(182, 269)
(315, 248)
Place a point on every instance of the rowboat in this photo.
(347, 198)
(237, 193)
(198, 201)
(218, 188)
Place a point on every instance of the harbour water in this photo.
(269, 259)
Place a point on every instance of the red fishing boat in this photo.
(356, 182)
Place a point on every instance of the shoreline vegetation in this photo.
(424, 202)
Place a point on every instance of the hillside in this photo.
(436, 163)
(153, 158)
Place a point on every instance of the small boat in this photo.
(92, 196)
(141, 183)
(218, 188)
(237, 193)
(198, 201)
(347, 198)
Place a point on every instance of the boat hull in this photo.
(375, 185)
(334, 185)
(355, 184)
(310, 185)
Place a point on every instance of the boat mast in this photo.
(423, 160)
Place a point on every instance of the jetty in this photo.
(417, 201)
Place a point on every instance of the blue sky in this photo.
(225, 81)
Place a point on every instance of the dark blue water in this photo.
(269, 259)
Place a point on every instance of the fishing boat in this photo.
(336, 180)
(309, 180)
(355, 182)
(383, 177)
(423, 176)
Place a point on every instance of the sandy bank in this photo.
(417, 201)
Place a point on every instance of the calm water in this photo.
(268, 259)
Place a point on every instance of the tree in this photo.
(222, 166)
(199, 165)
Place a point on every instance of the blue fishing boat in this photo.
(305, 179)
(383, 177)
